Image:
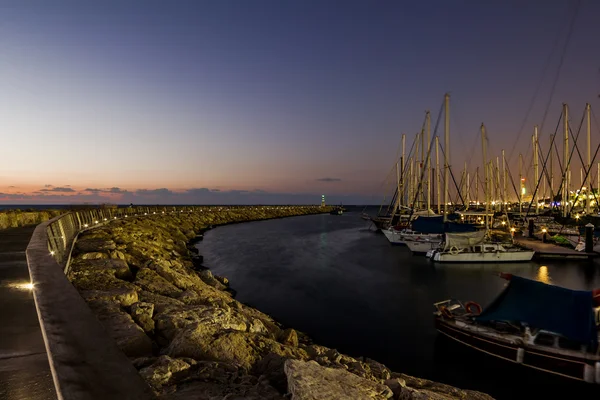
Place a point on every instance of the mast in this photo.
(397, 190)
(535, 167)
(504, 193)
(446, 152)
(463, 185)
(468, 200)
(565, 184)
(402, 169)
(589, 162)
(437, 173)
(520, 183)
(551, 170)
(477, 188)
(485, 190)
(498, 195)
(428, 164)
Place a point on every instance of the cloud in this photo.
(110, 190)
(329, 180)
(58, 189)
(153, 192)
(12, 187)
(47, 186)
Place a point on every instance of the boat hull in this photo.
(581, 369)
(421, 247)
(491, 257)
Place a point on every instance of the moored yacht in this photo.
(476, 247)
(537, 325)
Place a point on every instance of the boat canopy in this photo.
(569, 313)
(436, 224)
(464, 239)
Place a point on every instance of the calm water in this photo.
(348, 288)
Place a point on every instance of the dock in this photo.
(550, 250)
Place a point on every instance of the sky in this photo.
(260, 101)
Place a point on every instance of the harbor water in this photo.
(344, 285)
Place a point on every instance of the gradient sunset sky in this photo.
(255, 101)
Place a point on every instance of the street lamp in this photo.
(544, 235)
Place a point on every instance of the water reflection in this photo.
(542, 275)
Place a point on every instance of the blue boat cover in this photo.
(436, 225)
(564, 311)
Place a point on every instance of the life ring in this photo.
(453, 250)
(446, 313)
(470, 304)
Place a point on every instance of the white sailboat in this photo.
(476, 247)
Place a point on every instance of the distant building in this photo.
(322, 200)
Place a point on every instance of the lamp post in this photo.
(544, 231)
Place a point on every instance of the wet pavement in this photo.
(24, 369)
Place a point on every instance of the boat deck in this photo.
(549, 250)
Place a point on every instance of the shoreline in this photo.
(187, 335)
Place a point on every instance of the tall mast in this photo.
(437, 173)
(498, 195)
(468, 200)
(463, 185)
(551, 170)
(477, 188)
(520, 183)
(485, 190)
(402, 170)
(504, 193)
(428, 164)
(446, 152)
(535, 168)
(565, 184)
(398, 197)
(589, 162)
(410, 183)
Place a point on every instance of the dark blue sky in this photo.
(273, 96)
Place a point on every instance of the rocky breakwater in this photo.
(190, 339)
(16, 218)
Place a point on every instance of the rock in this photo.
(209, 279)
(141, 313)
(289, 337)
(117, 255)
(143, 362)
(411, 388)
(212, 391)
(117, 268)
(181, 280)
(378, 370)
(160, 302)
(88, 245)
(197, 263)
(124, 296)
(222, 279)
(129, 337)
(161, 371)
(149, 280)
(309, 380)
(94, 256)
(256, 326)
(190, 297)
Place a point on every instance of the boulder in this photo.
(129, 337)
(88, 245)
(411, 388)
(141, 313)
(198, 390)
(124, 296)
(222, 279)
(160, 302)
(149, 280)
(209, 279)
(289, 337)
(162, 370)
(94, 256)
(118, 268)
(309, 380)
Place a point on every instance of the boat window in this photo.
(488, 248)
(568, 344)
(544, 339)
(477, 248)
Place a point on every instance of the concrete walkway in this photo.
(550, 250)
(24, 369)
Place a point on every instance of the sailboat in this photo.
(479, 247)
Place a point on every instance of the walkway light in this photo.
(544, 230)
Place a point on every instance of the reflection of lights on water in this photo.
(542, 274)
(22, 286)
